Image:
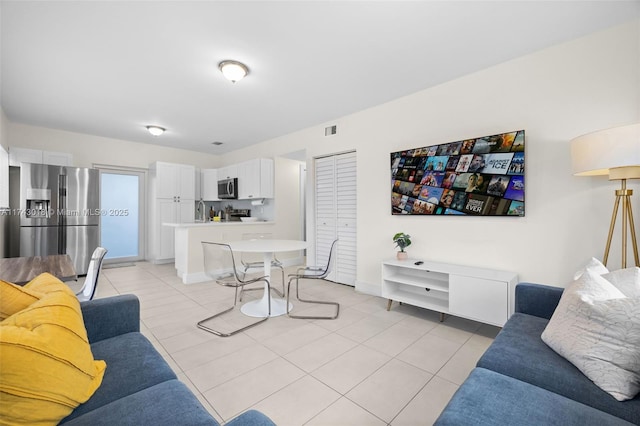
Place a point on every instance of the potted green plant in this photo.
(402, 241)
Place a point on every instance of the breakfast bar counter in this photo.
(188, 244)
(212, 223)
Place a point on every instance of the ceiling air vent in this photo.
(331, 130)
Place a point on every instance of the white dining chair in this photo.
(88, 290)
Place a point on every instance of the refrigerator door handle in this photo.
(62, 206)
(62, 240)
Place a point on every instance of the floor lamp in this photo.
(614, 152)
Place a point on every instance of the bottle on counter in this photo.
(211, 213)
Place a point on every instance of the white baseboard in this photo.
(367, 288)
(160, 261)
(197, 277)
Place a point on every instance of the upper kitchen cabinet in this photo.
(209, 184)
(36, 156)
(255, 179)
(57, 158)
(175, 180)
(228, 172)
(198, 189)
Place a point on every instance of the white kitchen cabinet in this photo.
(57, 158)
(166, 212)
(255, 179)
(24, 155)
(172, 195)
(209, 184)
(480, 294)
(166, 180)
(228, 172)
(37, 156)
(187, 182)
(198, 186)
(174, 180)
(161, 238)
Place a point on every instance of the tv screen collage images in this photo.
(481, 177)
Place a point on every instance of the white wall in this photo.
(4, 129)
(555, 95)
(4, 178)
(287, 198)
(88, 150)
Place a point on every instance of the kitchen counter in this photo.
(210, 223)
(189, 261)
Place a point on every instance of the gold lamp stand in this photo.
(623, 195)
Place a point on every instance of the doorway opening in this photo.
(122, 209)
(301, 157)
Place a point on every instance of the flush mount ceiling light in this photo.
(233, 70)
(155, 130)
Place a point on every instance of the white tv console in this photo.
(480, 294)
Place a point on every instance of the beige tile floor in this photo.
(368, 367)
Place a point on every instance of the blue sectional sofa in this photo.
(521, 381)
(139, 387)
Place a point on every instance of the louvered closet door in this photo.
(335, 181)
(346, 218)
(325, 208)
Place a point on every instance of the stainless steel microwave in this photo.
(228, 188)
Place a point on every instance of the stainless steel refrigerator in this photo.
(55, 210)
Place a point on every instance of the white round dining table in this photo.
(260, 308)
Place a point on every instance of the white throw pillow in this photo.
(597, 329)
(626, 280)
(595, 265)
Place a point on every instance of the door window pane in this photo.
(119, 203)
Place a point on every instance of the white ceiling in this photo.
(110, 68)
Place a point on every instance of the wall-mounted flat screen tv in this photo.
(476, 177)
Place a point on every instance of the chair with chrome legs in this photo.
(220, 265)
(88, 290)
(313, 273)
(255, 261)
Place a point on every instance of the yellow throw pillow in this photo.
(45, 282)
(47, 367)
(14, 298)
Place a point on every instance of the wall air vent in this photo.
(331, 130)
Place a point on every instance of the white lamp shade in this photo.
(598, 152)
